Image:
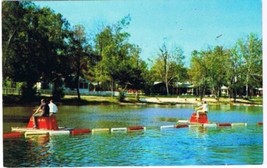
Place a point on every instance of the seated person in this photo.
(52, 108)
(202, 109)
(43, 110)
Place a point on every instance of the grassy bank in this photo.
(67, 100)
(130, 99)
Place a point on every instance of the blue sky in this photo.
(189, 24)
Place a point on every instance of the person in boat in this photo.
(202, 109)
(42, 110)
(52, 108)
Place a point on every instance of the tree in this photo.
(11, 25)
(209, 70)
(32, 50)
(238, 67)
(104, 46)
(250, 49)
(234, 72)
(168, 67)
(120, 62)
(79, 55)
(216, 61)
(198, 72)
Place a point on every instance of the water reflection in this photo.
(167, 119)
(41, 140)
(199, 132)
(154, 147)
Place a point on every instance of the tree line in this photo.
(40, 45)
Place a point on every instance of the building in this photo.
(178, 88)
(68, 89)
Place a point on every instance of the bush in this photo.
(121, 96)
(27, 93)
(58, 94)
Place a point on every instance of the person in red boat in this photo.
(202, 109)
(42, 110)
(52, 108)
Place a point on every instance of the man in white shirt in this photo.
(52, 108)
(202, 109)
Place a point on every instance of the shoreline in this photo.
(191, 101)
(142, 101)
(195, 101)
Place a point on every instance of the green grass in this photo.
(72, 100)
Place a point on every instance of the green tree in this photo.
(234, 73)
(250, 50)
(104, 46)
(168, 67)
(217, 61)
(79, 55)
(120, 62)
(208, 70)
(198, 72)
(32, 49)
(12, 23)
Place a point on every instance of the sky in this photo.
(188, 24)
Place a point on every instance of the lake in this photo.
(153, 147)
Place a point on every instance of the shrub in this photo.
(27, 93)
(58, 94)
(121, 96)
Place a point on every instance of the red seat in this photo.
(49, 123)
(203, 118)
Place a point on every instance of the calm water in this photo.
(154, 147)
